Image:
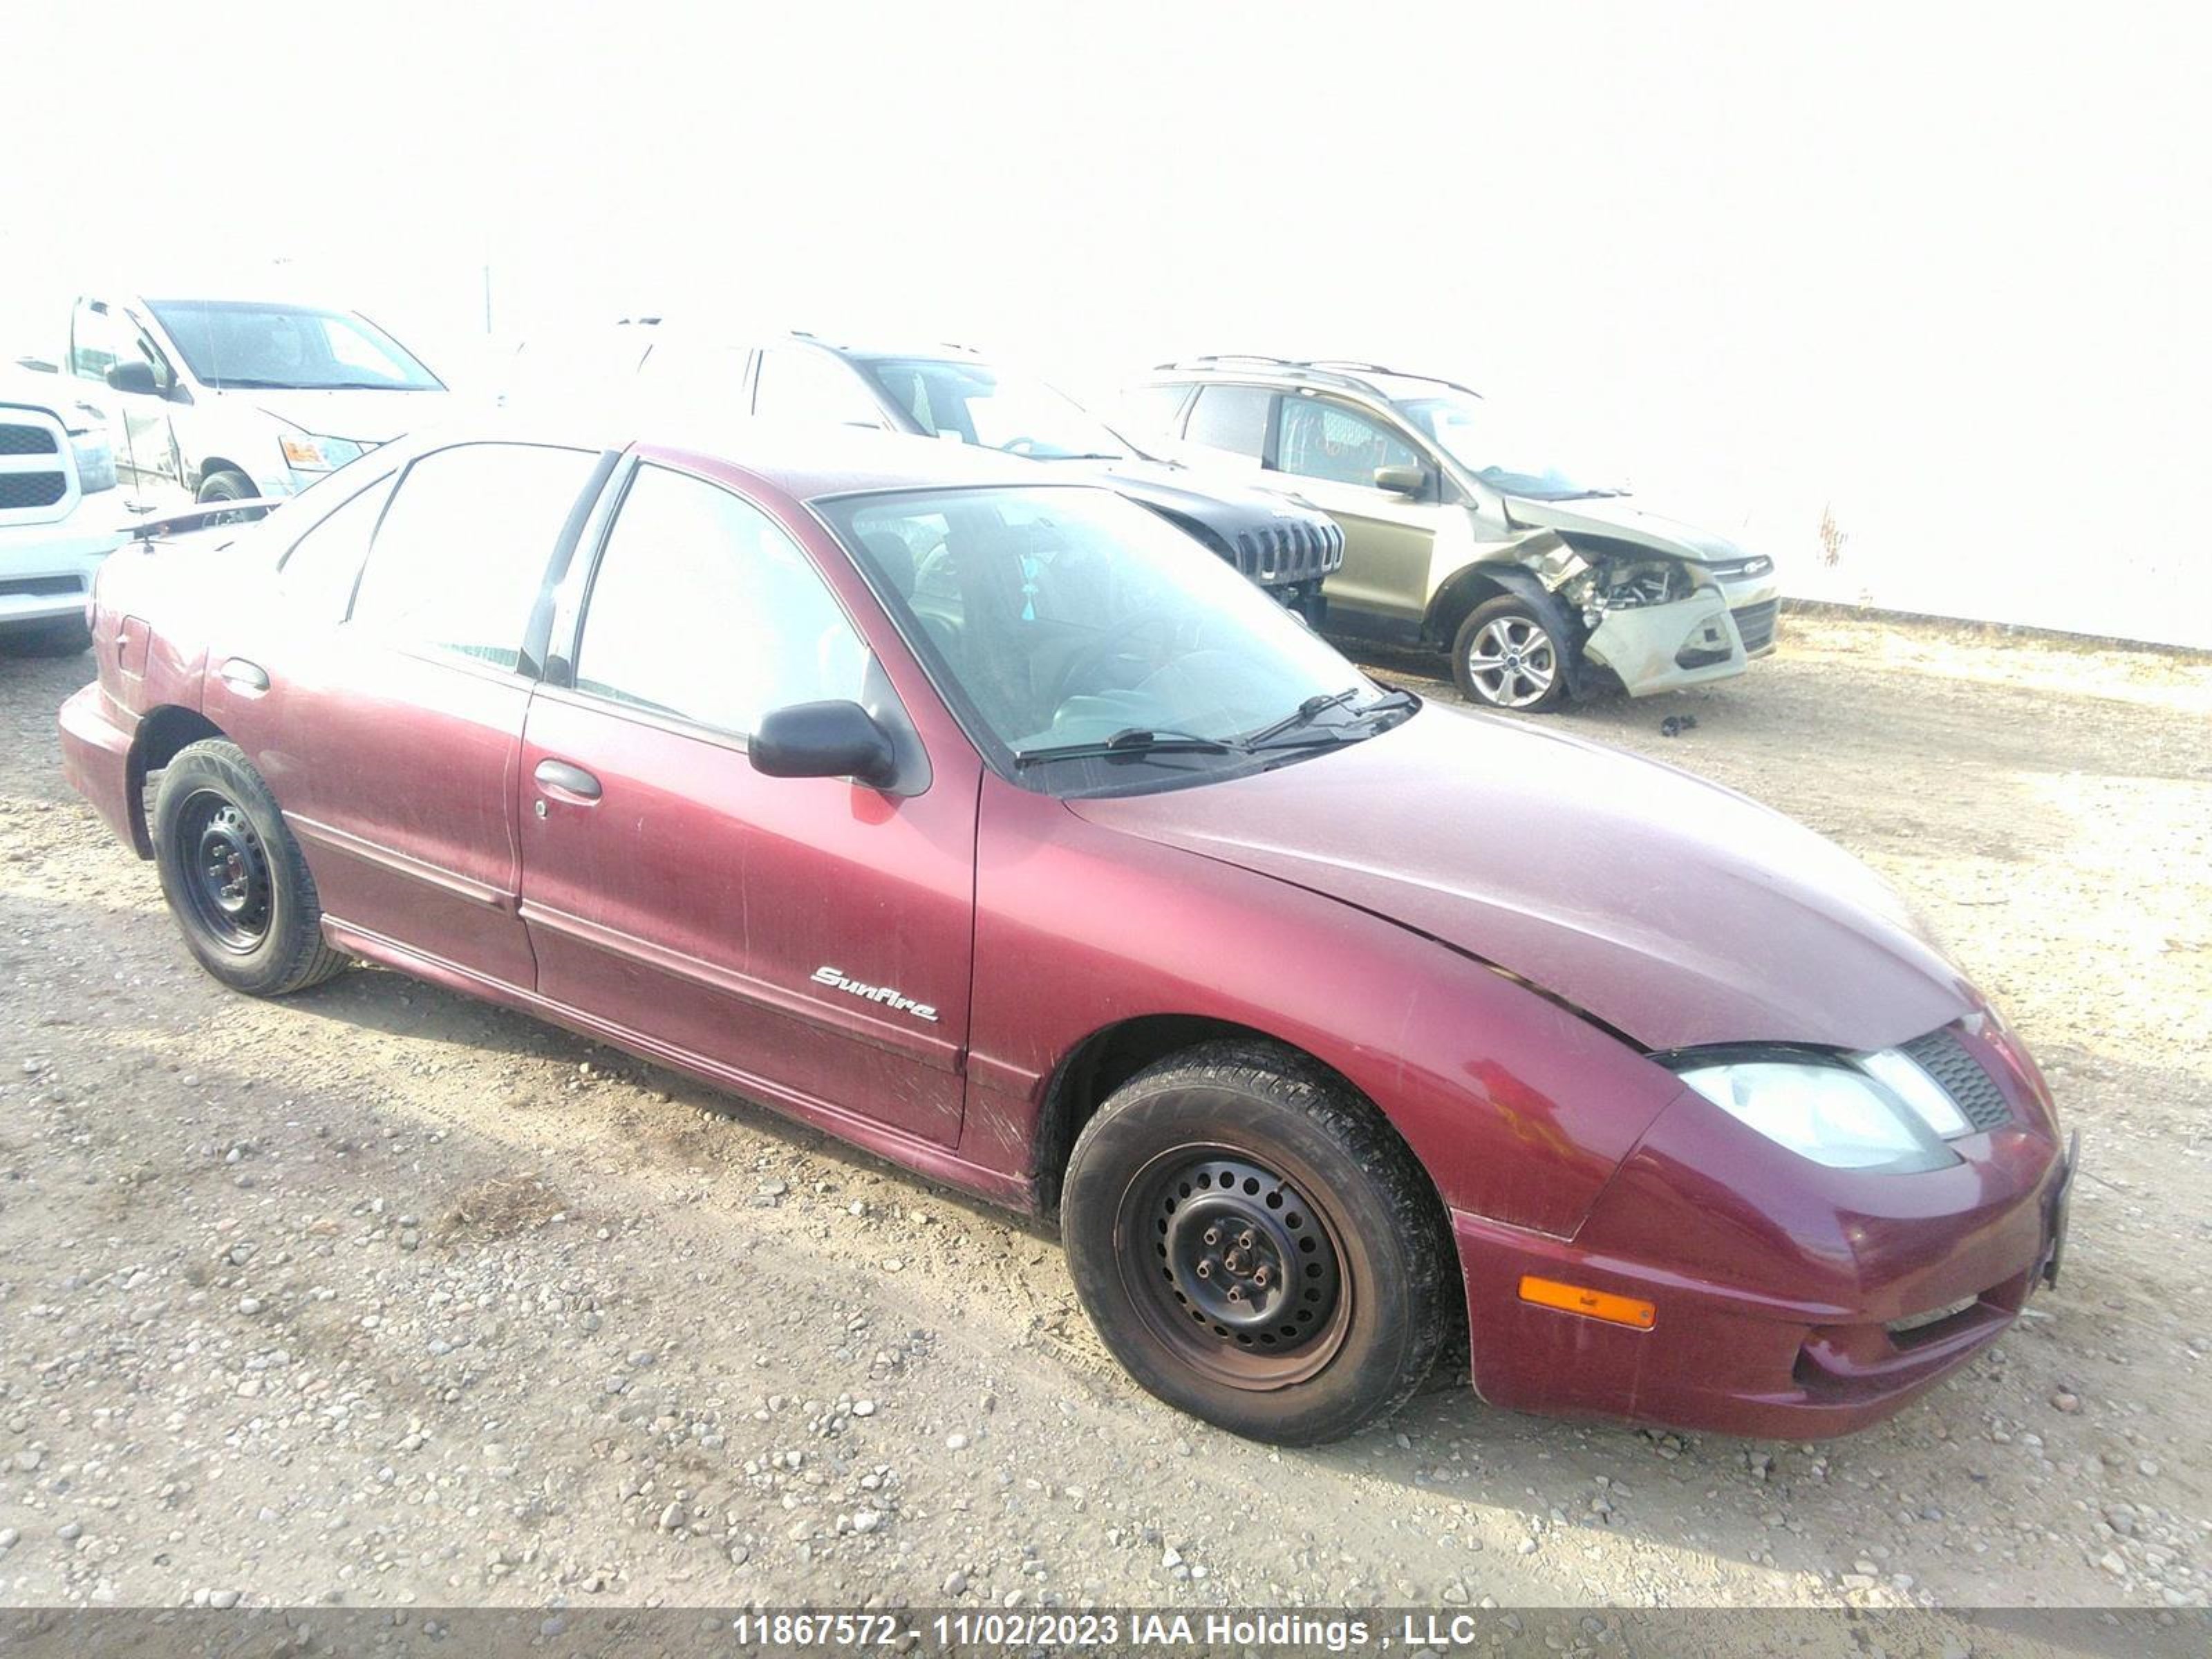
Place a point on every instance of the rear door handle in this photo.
(568, 782)
(240, 675)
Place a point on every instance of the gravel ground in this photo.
(378, 1297)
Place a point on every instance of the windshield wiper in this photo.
(225, 382)
(1304, 714)
(1271, 737)
(1080, 456)
(1130, 741)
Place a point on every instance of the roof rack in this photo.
(1342, 371)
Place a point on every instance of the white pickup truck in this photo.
(60, 511)
(224, 399)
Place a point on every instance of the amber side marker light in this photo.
(1594, 1304)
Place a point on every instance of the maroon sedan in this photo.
(993, 825)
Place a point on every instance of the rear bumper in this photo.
(1802, 1345)
(96, 739)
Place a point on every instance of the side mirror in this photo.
(1402, 480)
(824, 740)
(134, 377)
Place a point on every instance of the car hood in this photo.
(1675, 911)
(1620, 516)
(365, 417)
(1209, 497)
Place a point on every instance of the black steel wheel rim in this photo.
(226, 872)
(1233, 1268)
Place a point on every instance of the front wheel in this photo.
(1256, 1245)
(1506, 656)
(226, 484)
(233, 875)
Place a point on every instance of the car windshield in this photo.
(1059, 618)
(236, 343)
(1473, 434)
(954, 398)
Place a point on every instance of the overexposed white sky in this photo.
(1945, 269)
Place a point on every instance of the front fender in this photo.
(1519, 1108)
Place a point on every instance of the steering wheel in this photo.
(1020, 446)
(1105, 645)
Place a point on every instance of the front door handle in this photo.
(240, 675)
(568, 782)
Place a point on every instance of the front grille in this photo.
(16, 439)
(1756, 624)
(1944, 1058)
(22, 489)
(1290, 550)
(41, 588)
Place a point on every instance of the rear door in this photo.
(383, 698)
(736, 922)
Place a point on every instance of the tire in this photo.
(228, 485)
(234, 877)
(1528, 670)
(68, 637)
(1232, 1143)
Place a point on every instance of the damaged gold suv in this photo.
(1541, 586)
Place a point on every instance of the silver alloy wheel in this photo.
(1512, 661)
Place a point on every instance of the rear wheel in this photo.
(1506, 656)
(1256, 1245)
(233, 875)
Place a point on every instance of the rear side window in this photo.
(1232, 418)
(703, 610)
(318, 573)
(463, 545)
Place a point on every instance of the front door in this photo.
(807, 940)
(1389, 538)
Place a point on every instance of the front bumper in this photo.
(1790, 1301)
(1755, 604)
(46, 570)
(1667, 647)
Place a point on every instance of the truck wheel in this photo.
(64, 638)
(228, 485)
(1256, 1246)
(234, 877)
(1505, 656)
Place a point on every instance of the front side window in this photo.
(704, 611)
(1231, 418)
(1062, 616)
(464, 546)
(235, 343)
(799, 385)
(1325, 440)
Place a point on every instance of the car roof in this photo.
(806, 465)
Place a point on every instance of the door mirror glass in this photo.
(823, 740)
(134, 377)
(1402, 480)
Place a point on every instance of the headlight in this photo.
(304, 453)
(95, 462)
(1878, 1111)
